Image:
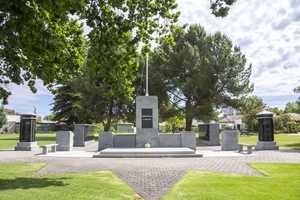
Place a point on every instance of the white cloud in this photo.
(268, 34)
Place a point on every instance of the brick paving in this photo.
(152, 178)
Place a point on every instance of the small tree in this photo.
(3, 118)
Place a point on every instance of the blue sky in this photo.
(268, 33)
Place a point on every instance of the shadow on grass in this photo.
(43, 138)
(293, 146)
(27, 183)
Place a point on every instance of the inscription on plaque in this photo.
(147, 119)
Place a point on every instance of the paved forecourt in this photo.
(149, 177)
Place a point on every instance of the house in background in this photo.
(232, 121)
(12, 124)
(294, 117)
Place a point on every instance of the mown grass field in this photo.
(281, 182)
(16, 183)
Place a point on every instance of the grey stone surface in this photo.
(169, 140)
(125, 141)
(26, 146)
(106, 140)
(82, 131)
(147, 135)
(146, 102)
(266, 145)
(229, 140)
(64, 139)
(188, 139)
(214, 133)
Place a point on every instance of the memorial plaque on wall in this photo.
(147, 122)
(147, 111)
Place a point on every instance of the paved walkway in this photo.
(151, 178)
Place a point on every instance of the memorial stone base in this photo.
(266, 145)
(26, 146)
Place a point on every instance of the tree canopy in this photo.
(39, 40)
(201, 72)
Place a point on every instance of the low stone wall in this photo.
(111, 140)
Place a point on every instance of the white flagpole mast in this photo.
(147, 92)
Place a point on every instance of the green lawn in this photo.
(289, 141)
(16, 183)
(281, 182)
(8, 141)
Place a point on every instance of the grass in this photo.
(289, 141)
(8, 141)
(16, 183)
(281, 182)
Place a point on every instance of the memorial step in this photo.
(146, 153)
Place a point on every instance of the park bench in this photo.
(249, 147)
(48, 146)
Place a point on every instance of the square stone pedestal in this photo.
(266, 145)
(26, 146)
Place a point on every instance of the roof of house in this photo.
(231, 118)
(294, 116)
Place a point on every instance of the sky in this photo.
(268, 33)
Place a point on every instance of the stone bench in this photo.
(249, 147)
(48, 146)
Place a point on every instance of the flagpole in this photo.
(147, 92)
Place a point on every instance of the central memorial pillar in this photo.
(146, 121)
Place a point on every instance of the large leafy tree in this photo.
(201, 72)
(249, 108)
(39, 40)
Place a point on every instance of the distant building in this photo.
(12, 125)
(233, 121)
(294, 117)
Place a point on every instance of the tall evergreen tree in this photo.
(201, 72)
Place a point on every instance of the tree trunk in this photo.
(188, 119)
(188, 123)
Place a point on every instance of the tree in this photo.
(250, 107)
(64, 104)
(220, 8)
(39, 40)
(49, 117)
(202, 72)
(3, 118)
(292, 107)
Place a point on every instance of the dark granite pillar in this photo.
(265, 131)
(27, 133)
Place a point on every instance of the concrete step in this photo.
(146, 153)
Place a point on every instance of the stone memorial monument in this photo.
(146, 121)
(27, 133)
(211, 137)
(265, 131)
(147, 129)
(84, 135)
(64, 140)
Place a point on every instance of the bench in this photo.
(48, 146)
(249, 147)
